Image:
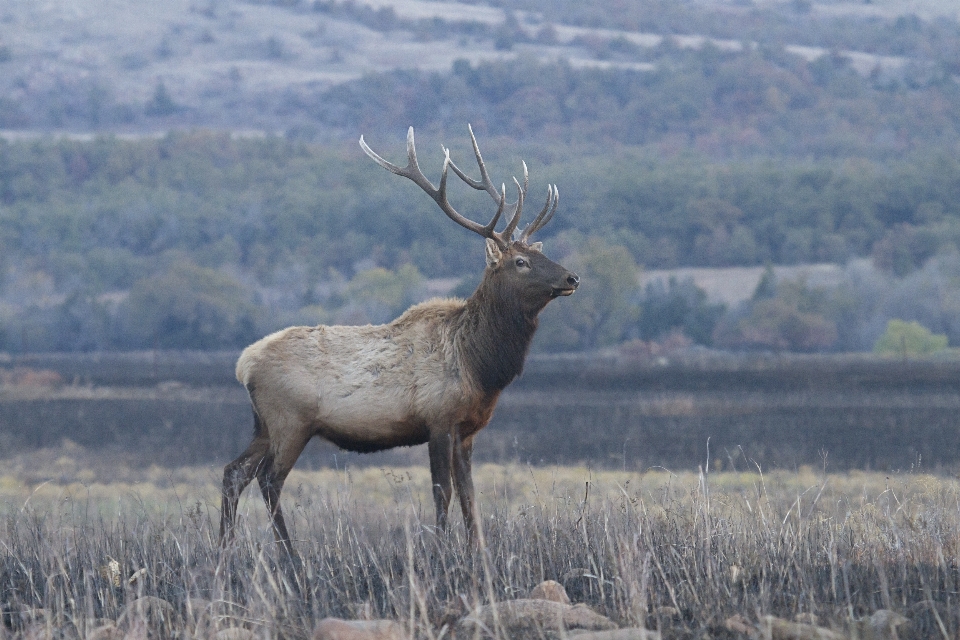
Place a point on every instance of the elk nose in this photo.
(573, 280)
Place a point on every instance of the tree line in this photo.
(200, 240)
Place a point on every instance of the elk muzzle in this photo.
(571, 282)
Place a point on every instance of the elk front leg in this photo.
(440, 448)
(271, 475)
(463, 480)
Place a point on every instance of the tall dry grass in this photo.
(682, 552)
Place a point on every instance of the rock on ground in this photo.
(773, 628)
(152, 614)
(533, 618)
(881, 625)
(630, 633)
(550, 590)
(106, 631)
(235, 633)
(337, 629)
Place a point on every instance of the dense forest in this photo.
(200, 240)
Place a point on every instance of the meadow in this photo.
(683, 553)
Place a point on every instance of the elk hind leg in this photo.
(440, 449)
(236, 476)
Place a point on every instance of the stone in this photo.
(806, 618)
(532, 618)
(337, 629)
(106, 631)
(235, 633)
(518, 619)
(881, 625)
(580, 616)
(550, 590)
(739, 624)
(629, 633)
(205, 618)
(152, 614)
(773, 628)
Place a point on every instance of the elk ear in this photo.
(537, 246)
(494, 255)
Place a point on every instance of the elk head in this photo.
(516, 268)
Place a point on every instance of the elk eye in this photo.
(521, 262)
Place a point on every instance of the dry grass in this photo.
(839, 546)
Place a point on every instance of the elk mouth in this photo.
(557, 291)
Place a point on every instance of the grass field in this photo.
(680, 552)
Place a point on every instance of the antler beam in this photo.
(439, 194)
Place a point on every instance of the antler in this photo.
(439, 194)
(553, 194)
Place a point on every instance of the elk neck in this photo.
(494, 335)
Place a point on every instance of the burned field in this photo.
(110, 493)
(732, 413)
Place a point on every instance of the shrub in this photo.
(190, 307)
(909, 338)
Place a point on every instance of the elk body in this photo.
(431, 376)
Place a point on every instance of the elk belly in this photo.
(368, 418)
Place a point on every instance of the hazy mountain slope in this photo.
(131, 65)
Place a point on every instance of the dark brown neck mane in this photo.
(494, 335)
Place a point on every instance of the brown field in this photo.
(682, 552)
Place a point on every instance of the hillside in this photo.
(115, 65)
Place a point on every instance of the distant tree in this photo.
(905, 247)
(909, 339)
(680, 305)
(603, 310)
(508, 32)
(379, 295)
(777, 325)
(793, 319)
(767, 286)
(161, 104)
(189, 307)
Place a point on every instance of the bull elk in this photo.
(431, 376)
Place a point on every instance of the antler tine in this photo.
(553, 198)
(523, 195)
(412, 172)
(496, 218)
(507, 233)
(484, 183)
